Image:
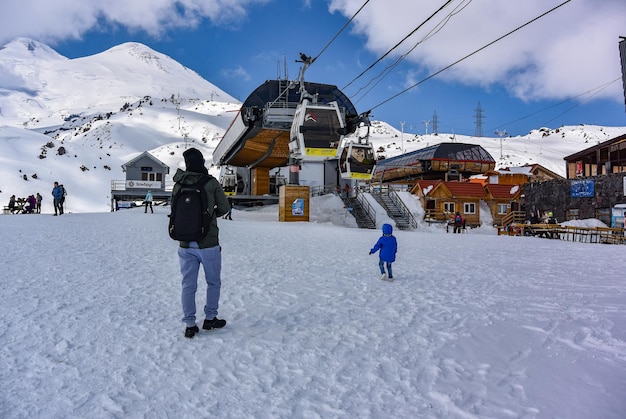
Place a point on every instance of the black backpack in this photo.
(190, 218)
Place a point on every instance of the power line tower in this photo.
(478, 114)
(435, 123)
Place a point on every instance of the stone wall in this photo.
(555, 196)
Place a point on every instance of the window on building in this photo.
(604, 215)
(469, 208)
(502, 208)
(572, 214)
(449, 207)
(152, 177)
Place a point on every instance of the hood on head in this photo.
(194, 161)
(387, 229)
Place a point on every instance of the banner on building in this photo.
(142, 184)
(583, 188)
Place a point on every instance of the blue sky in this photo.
(562, 69)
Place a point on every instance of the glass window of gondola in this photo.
(361, 159)
(357, 161)
(321, 128)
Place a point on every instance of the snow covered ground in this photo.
(475, 325)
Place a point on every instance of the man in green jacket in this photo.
(205, 252)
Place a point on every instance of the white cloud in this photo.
(569, 51)
(62, 19)
(236, 73)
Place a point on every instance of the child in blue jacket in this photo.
(388, 247)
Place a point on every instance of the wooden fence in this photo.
(605, 235)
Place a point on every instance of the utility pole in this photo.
(426, 124)
(501, 133)
(402, 125)
(435, 123)
(479, 121)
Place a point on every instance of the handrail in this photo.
(395, 198)
(367, 207)
(319, 190)
(513, 216)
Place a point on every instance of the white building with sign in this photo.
(143, 173)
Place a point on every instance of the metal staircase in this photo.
(395, 209)
(362, 211)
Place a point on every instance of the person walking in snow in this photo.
(148, 201)
(388, 246)
(205, 252)
(38, 199)
(57, 195)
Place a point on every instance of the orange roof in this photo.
(466, 189)
(503, 191)
(426, 183)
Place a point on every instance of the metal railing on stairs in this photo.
(402, 208)
(367, 208)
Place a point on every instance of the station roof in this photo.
(272, 90)
(443, 151)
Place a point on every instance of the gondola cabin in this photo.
(357, 161)
(317, 131)
(228, 180)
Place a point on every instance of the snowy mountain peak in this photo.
(39, 83)
(139, 53)
(26, 48)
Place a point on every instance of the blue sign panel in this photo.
(297, 207)
(583, 188)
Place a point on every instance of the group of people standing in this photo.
(32, 204)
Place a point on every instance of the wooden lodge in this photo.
(442, 199)
(605, 158)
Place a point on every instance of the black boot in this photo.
(191, 331)
(213, 324)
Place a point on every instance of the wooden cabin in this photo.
(441, 199)
(602, 159)
(503, 200)
(516, 175)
